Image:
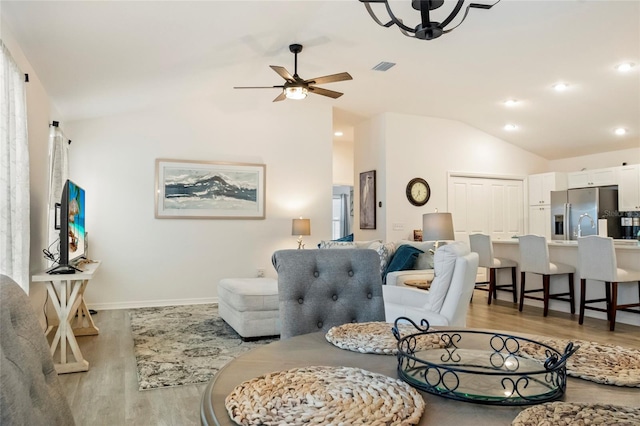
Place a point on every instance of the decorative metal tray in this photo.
(481, 366)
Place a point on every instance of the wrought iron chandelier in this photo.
(426, 29)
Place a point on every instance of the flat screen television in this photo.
(72, 229)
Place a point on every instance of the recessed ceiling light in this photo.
(625, 66)
(338, 133)
(620, 131)
(511, 102)
(560, 87)
(510, 127)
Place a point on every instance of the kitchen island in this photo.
(627, 255)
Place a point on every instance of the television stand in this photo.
(63, 269)
(66, 292)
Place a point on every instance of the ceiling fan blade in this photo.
(280, 97)
(258, 87)
(330, 78)
(324, 92)
(282, 72)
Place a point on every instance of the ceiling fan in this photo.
(297, 88)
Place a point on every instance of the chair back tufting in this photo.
(319, 289)
(31, 393)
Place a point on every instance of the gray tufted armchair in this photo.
(30, 392)
(319, 289)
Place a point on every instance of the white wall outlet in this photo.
(260, 272)
(398, 226)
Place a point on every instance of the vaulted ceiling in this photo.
(97, 58)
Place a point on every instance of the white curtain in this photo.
(58, 174)
(345, 226)
(14, 173)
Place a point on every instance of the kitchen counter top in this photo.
(627, 257)
(618, 244)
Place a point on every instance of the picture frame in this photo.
(192, 189)
(417, 235)
(368, 200)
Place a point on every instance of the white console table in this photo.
(66, 292)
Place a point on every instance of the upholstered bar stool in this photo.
(534, 259)
(481, 244)
(597, 261)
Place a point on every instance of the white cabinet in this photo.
(540, 220)
(541, 185)
(595, 177)
(629, 188)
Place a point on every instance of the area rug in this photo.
(596, 362)
(577, 413)
(181, 345)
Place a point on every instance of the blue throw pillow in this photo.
(404, 258)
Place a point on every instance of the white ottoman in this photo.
(250, 306)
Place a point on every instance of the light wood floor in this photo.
(108, 393)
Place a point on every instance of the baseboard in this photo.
(150, 303)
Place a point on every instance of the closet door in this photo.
(487, 205)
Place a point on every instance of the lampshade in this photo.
(301, 227)
(437, 227)
(295, 92)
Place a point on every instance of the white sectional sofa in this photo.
(422, 269)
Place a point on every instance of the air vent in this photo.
(383, 66)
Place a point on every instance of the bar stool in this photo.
(534, 258)
(597, 261)
(481, 244)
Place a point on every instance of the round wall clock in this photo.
(418, 191)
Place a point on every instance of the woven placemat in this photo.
(599, 363)
(325, 395)
(376, 337)
(577, 413)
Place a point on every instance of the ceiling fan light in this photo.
(625, 66)
(295, 92)
(560, 87)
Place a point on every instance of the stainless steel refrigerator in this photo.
(584, 211)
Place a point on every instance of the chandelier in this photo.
(426, 29)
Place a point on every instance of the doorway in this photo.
(342, 211)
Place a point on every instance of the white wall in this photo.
(343, 163)
(148, 261)
(428, 147)
(40, 112)
(596, 161)
(369, 154)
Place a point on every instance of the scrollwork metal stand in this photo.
(481, 366)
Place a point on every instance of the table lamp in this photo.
(436, 227)
(301, 227)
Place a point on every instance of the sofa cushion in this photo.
(425, 259)
(444, 262)
(249, 294)
(385, 252)
(337, 245)
(347, 238)
(404, 258)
